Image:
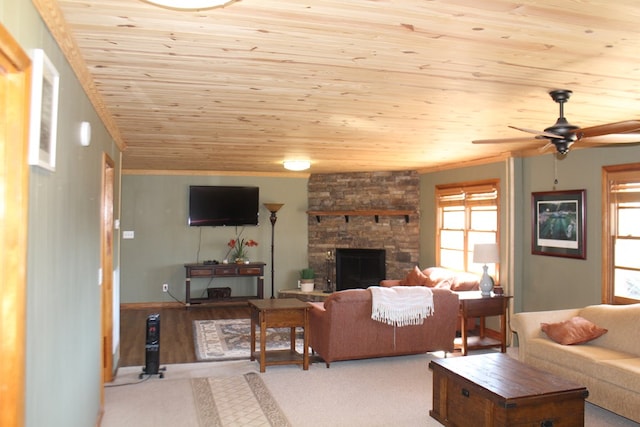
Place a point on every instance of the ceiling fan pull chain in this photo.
(555, 170)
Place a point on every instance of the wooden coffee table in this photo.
(279, 313)
(497, 390)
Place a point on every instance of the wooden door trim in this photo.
(106, 264)
(15, 81)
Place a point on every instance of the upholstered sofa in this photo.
(442, 278)
(437, 277)
(608, 365)
(341, 328)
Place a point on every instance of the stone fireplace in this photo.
(363, 210)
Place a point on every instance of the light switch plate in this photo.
(128, 234)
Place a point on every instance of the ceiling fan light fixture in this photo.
(562, 145)
(297, 165)
(189, 4)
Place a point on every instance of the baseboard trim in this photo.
(146, 305)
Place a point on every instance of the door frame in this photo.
(106, 265)
(15, 79)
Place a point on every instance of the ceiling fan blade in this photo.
(617, 138)
(504, 140)
(546, 146)
(610, 128)
(537, 132)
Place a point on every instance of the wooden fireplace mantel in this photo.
(376, 213)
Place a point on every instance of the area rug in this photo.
(230, 339)
(236, 401)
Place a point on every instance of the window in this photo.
(467, 214)
(621, 234)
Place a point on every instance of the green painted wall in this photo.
(538, 282)
(63, 290)
(553, 282)
(428, 184)
(509, 174)
(155, 209)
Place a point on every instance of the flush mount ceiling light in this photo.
(297, 165)
(190, 4)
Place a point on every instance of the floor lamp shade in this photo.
(486, 253)
(273, 208)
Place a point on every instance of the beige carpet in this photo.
(230, 339)
(392, 391)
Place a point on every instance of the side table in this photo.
(473, 304)
(279, 313)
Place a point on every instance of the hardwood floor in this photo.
(176, 331)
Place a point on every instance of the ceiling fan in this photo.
(563, 134)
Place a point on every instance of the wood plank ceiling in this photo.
(358, 85)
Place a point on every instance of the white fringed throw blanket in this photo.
(401, 305)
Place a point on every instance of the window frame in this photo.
(611, 176)
(468, 195)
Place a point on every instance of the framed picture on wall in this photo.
(43, 123)
(558, 224)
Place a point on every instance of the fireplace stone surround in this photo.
(398, 236)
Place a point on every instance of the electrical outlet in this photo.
(165, 287)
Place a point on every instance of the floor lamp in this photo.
(273, 208)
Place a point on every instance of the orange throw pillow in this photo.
(414, 278)
(576, 330)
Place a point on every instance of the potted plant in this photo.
(306, 279)
(239, 247)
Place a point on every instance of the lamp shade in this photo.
(486, 253)
(273, 207)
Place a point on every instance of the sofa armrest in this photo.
(319, 327)
(527, 325)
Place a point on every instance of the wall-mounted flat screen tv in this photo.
(219, 206)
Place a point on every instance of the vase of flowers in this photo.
(239, 249)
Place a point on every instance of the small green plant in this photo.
(307, 273)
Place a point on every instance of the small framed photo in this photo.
(558, 227)
(43, 123)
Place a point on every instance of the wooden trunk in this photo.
(497, 390)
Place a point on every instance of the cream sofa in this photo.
(609, 366)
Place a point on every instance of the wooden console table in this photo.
(254, 269)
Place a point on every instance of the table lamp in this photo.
(486, 253)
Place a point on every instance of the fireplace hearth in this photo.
(359, 268)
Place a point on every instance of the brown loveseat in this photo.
(341, 328)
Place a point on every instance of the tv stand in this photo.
(254, 269)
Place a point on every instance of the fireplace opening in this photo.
(359, 268)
